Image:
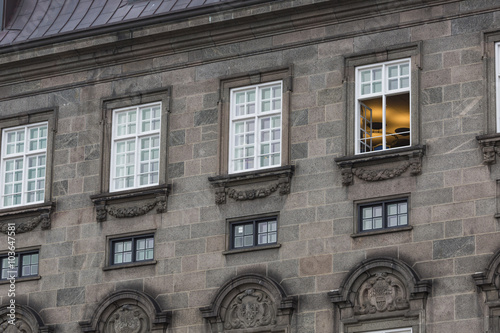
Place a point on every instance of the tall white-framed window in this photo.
(383, 99)
(23, 167)
(135, 149)
(497, 83)
(255, 138)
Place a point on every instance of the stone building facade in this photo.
(291, 166)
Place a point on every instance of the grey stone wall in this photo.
(453, 201)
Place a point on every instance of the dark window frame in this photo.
(20, 256)
(255, 222)
(384, 204)
(134, 240)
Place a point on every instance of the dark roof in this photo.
(40, 19)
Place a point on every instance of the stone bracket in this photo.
(104, 203)
(361, 166)
(490, 147)
(276, 179)
(39, 215)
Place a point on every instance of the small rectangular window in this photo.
(383, 106)
(132, 249)
(21, 265)
(252, 233)
(383, 215)
(135, 151)
(23, 166)
(255, 127)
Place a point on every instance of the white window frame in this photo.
(497, 84)
(25, 155)
(384, 93)
(258, 114)
(137, 136)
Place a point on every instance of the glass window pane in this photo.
(392, 221)
(403, 219)
(248, 229)
(393, 71)
(377, 211)
(377, 223)
(365, 76)
(367, 212)
(405, 69)
(377, 74)
(248, 240)
(403, 207)
(367, 224)
(392, 209)
(393, 84)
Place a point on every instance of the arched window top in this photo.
(127, 308)
(381, 288)
(271, 307)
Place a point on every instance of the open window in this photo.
(383, 95)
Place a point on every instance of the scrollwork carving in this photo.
(251, 308)
(131, 211)
(382, 292)
(43, 219)
(381, 174)
(127, 319)
(252, 193)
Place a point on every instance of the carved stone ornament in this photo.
(381, 293)
(131, 211)
(224, 185)
(43, 220)
(250, 309)
(490, 147)
(127, 319)
(363, 166)
(19, 327)
(380, 174)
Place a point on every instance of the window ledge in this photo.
(252, 249)
(490, 146)
(132, 264)
(361, 166)
(155, 197)
(279, 178)
(39, 213)
(22, 279)
(382, 231)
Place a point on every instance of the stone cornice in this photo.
(140, 43)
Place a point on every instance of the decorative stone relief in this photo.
(127, 319)
(131, 211)
(43, 220)
(19, 327)
(381, 174)
(381, 293)
(250, 309)
(490, 147)
(361, 165)
(103, 202)
(224, 185)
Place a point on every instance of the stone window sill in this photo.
(132, 264)
(39, 213)
(252, 249)
(22, 279)
(276, 179)
(362, 166)
(150, 197)
(382, 231)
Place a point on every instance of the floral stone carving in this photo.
(131, 211)
(251, 308)
(381, 174)
(43, 220)
(381, 293)
(127, 319)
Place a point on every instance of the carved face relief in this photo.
(250, 309)
(381, 293)
(19, 327)
(127, 319)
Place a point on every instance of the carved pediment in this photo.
(251, 308)
(127, 319)
(19, 327)
(382, 292)
(26, 320)
(249, 302)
